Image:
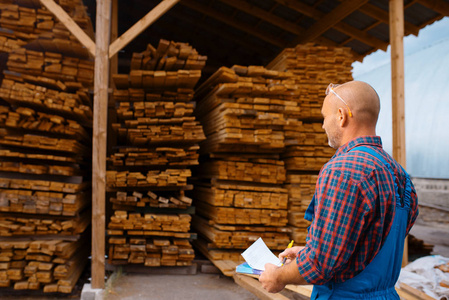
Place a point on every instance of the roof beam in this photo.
(68, 22)
(382, 15)
(331, 19)
(265, 15)
(300, 7)
(275, 20)
(140, 26)
(234, 23)
(362, 36)
(219, 32)
(341, 26)
(439, 6)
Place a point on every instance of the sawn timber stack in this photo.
(246, 112)
(314, 67)
(149, 168)
(45, 147)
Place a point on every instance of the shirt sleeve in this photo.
(340, 217)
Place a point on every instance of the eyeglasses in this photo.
(330, 88)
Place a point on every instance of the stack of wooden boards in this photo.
(45, 123)
(314, 67)
(51, 265)
(148, 169)
(247, 112)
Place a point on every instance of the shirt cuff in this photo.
(308, 271)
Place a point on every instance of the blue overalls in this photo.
(377, 280)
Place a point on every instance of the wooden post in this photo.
(397, 87)
(101, 80)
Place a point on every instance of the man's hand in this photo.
(270, 279)
(290, 253)
(274, 279)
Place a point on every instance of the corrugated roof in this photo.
(253, 32)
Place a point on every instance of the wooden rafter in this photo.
(171, 28)
(341, 26)
(439, 6)
(366, 29)
(265, 15)
(382, 15)
(140, 26)
(362, 36)
(302, 8)
(331, 19)
(273, 7)
(219, 32)
(236, 24)
(277, 21)
(68, 22)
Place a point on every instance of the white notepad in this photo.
(258, 254)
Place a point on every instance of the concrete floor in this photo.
(186, 287)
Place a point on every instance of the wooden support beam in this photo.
(236, 24)
(101, 80)
(331, 19)
(397, 77)
(224, 34)
(439, 6)
(279, 22)
(398, 88)
(140, 26)
(362, 36)
(302, 8)
(355, 33)
(68, 22)
(265, 16)
(382, 15)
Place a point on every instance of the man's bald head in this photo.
(362, 100)
(355, 97)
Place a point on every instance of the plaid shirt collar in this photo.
(370, 140)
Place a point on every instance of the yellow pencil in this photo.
(289, 246)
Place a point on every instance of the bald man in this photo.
(363, 207)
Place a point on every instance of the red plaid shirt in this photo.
(354, 207)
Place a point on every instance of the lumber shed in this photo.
(131, 47)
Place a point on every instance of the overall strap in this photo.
(404, 201)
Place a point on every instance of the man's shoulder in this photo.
(350, 162)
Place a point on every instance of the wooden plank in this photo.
(254, 286)
(65, 19)
(99, 142)
(303, 290)
(140, 26)
(414, 292)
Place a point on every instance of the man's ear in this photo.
(342, 117)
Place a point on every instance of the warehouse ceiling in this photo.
(253, 32)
